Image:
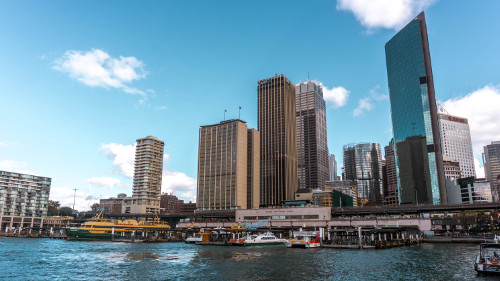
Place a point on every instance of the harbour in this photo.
(54, 259)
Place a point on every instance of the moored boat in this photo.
(99, 228)
(195, 238)
(267, 238)
(304, 239)
(488, 259)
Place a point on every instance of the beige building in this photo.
(278, 140)
(348, 187)
(148, 170)
(451, 168)
(228, 166)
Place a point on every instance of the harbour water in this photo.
(46, 259)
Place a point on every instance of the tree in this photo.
(53, 208)
(95, 207)
(65, 211)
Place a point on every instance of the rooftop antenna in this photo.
(239, 113)
(225, 110)
(308, 76)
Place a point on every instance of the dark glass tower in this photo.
(414, 116)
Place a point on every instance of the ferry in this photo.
(488, 259)
(195, 238)
(267, 238)
(99, 228)
(304, 239)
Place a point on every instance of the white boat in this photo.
(304, 239)
(488, 260)
(193, 239)
(267, 238)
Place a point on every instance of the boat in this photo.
(99, 228)
(304, 239)
(488, 260)
(267, 238)
(195, 238)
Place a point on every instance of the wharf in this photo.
(456, 240)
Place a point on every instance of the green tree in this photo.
(95, 207)
(65, 211)
(53, 208)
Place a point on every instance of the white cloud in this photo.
(367, 103)
(481, 108)
(11, 165)
(123, 157)
(336, 97)
(83, 200)
(391, 14)
(108, 182)
(179, 184)
(97, 68)
(3, 144)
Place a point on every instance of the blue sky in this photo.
(81, 81)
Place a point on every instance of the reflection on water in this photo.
(45, 259)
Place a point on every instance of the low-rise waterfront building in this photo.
(23, 194)
(113, 205)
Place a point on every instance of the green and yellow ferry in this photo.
(99, 228)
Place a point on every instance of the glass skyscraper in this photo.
(414, 116)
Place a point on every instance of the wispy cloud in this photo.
(3, 144)
(12, 165)
(83, 199)
(391, 14)
(367, 103)
(108, 182)
(97, 68)
(481, 108)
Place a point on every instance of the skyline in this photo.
(78, 124)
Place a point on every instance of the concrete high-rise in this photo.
(333, 167)
(456, 142)
(278, 140)
(312, 148)
(491, 160)
(148, 170)
(363, 165)
(23, 195)
(415, 126)
(228, 166)
(390, 177)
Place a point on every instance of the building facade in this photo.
(414, 116)
(456, 142)
(227, 173)
(451, 168)
(113, 205)
(363, 165)
(475, 190)
(333, 167)
(491, 160)
(347, 187)
(278, 140)
(391, 197)
(148, 170)
(24, 195)
(312, 149)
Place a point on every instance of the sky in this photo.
(81, 81)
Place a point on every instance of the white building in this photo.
(456, 142)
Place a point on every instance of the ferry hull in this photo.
(86, 235)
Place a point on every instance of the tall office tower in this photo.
(333, 167)
(148, 170)
(278, 140)
(456, 142)
(414, 116)
(363, 164)
(491, 160)
(23, 195)
(228, 167)
(390, 177)
(312, 149)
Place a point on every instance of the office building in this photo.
(228, 166)
(278, 140)
(363, 164)
(391, 197)
(347, 187)
(475, 190)
(312, 148)
(456, 142)
(451, 168)
(24, 195)
(417, 145)
(491, 160)
(113, 205)
(333, 167)
(148, 170)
